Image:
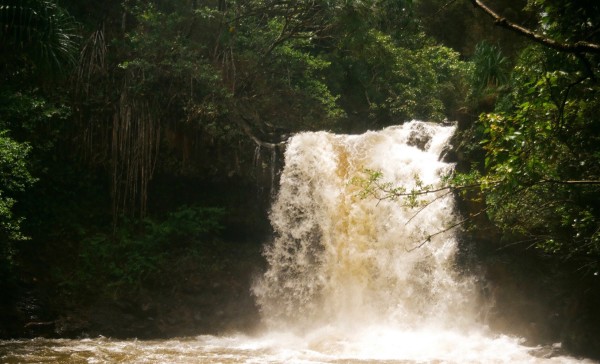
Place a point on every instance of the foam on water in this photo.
(325, 345)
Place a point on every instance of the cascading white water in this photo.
(357, 277)
(342, 258)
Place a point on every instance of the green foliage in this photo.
(218, 65)
(491, 70)
(275, 44)
(384, 80)
(273, 67)
(30, 115)
(32, 128)
(14, 178)
(542, 157)
(38, 41)
(158, 55)
(39, 33)
(139, 251)
(371, 184)
(568, 21)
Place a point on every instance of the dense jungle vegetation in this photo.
(139, 140)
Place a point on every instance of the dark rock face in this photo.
(542, 300)
(197, 302)
(213, 308)
(156, 314)
(25, 313)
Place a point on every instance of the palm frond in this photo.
(38, 31)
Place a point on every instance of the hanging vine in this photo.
(90, 76)
(134, 150)
(126, 140)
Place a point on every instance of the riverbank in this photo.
(191, 301)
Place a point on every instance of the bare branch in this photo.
(427, 205)
(584, 182)
(373, 186)
(577, 47)
(250, 133)
(453, 226)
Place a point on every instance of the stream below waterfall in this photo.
(352, 277)
(374, 345)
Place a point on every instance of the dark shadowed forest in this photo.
(141, 143)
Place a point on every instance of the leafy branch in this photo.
(372, 185)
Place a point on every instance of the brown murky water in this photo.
(325, 346)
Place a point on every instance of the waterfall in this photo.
(343, 259)
(351, 278)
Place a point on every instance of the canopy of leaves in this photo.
(542, 156)
(387, 74)
(188, 92)
(541, 179)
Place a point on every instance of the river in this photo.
(371, 346)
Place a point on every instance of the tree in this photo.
(539, 176)
(38, 45)
(193, 81)
(385, 75)
(542, 155)
(541, 144)
(36, 37)
(550, 12)
(490, 75)
(39, 34)
(15, 177)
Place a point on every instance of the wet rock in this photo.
(73, 325)
(419, 137)
(548, 351)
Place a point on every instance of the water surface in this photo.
(327, 346)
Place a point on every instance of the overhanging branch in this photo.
(571, 182)
(577, 47)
